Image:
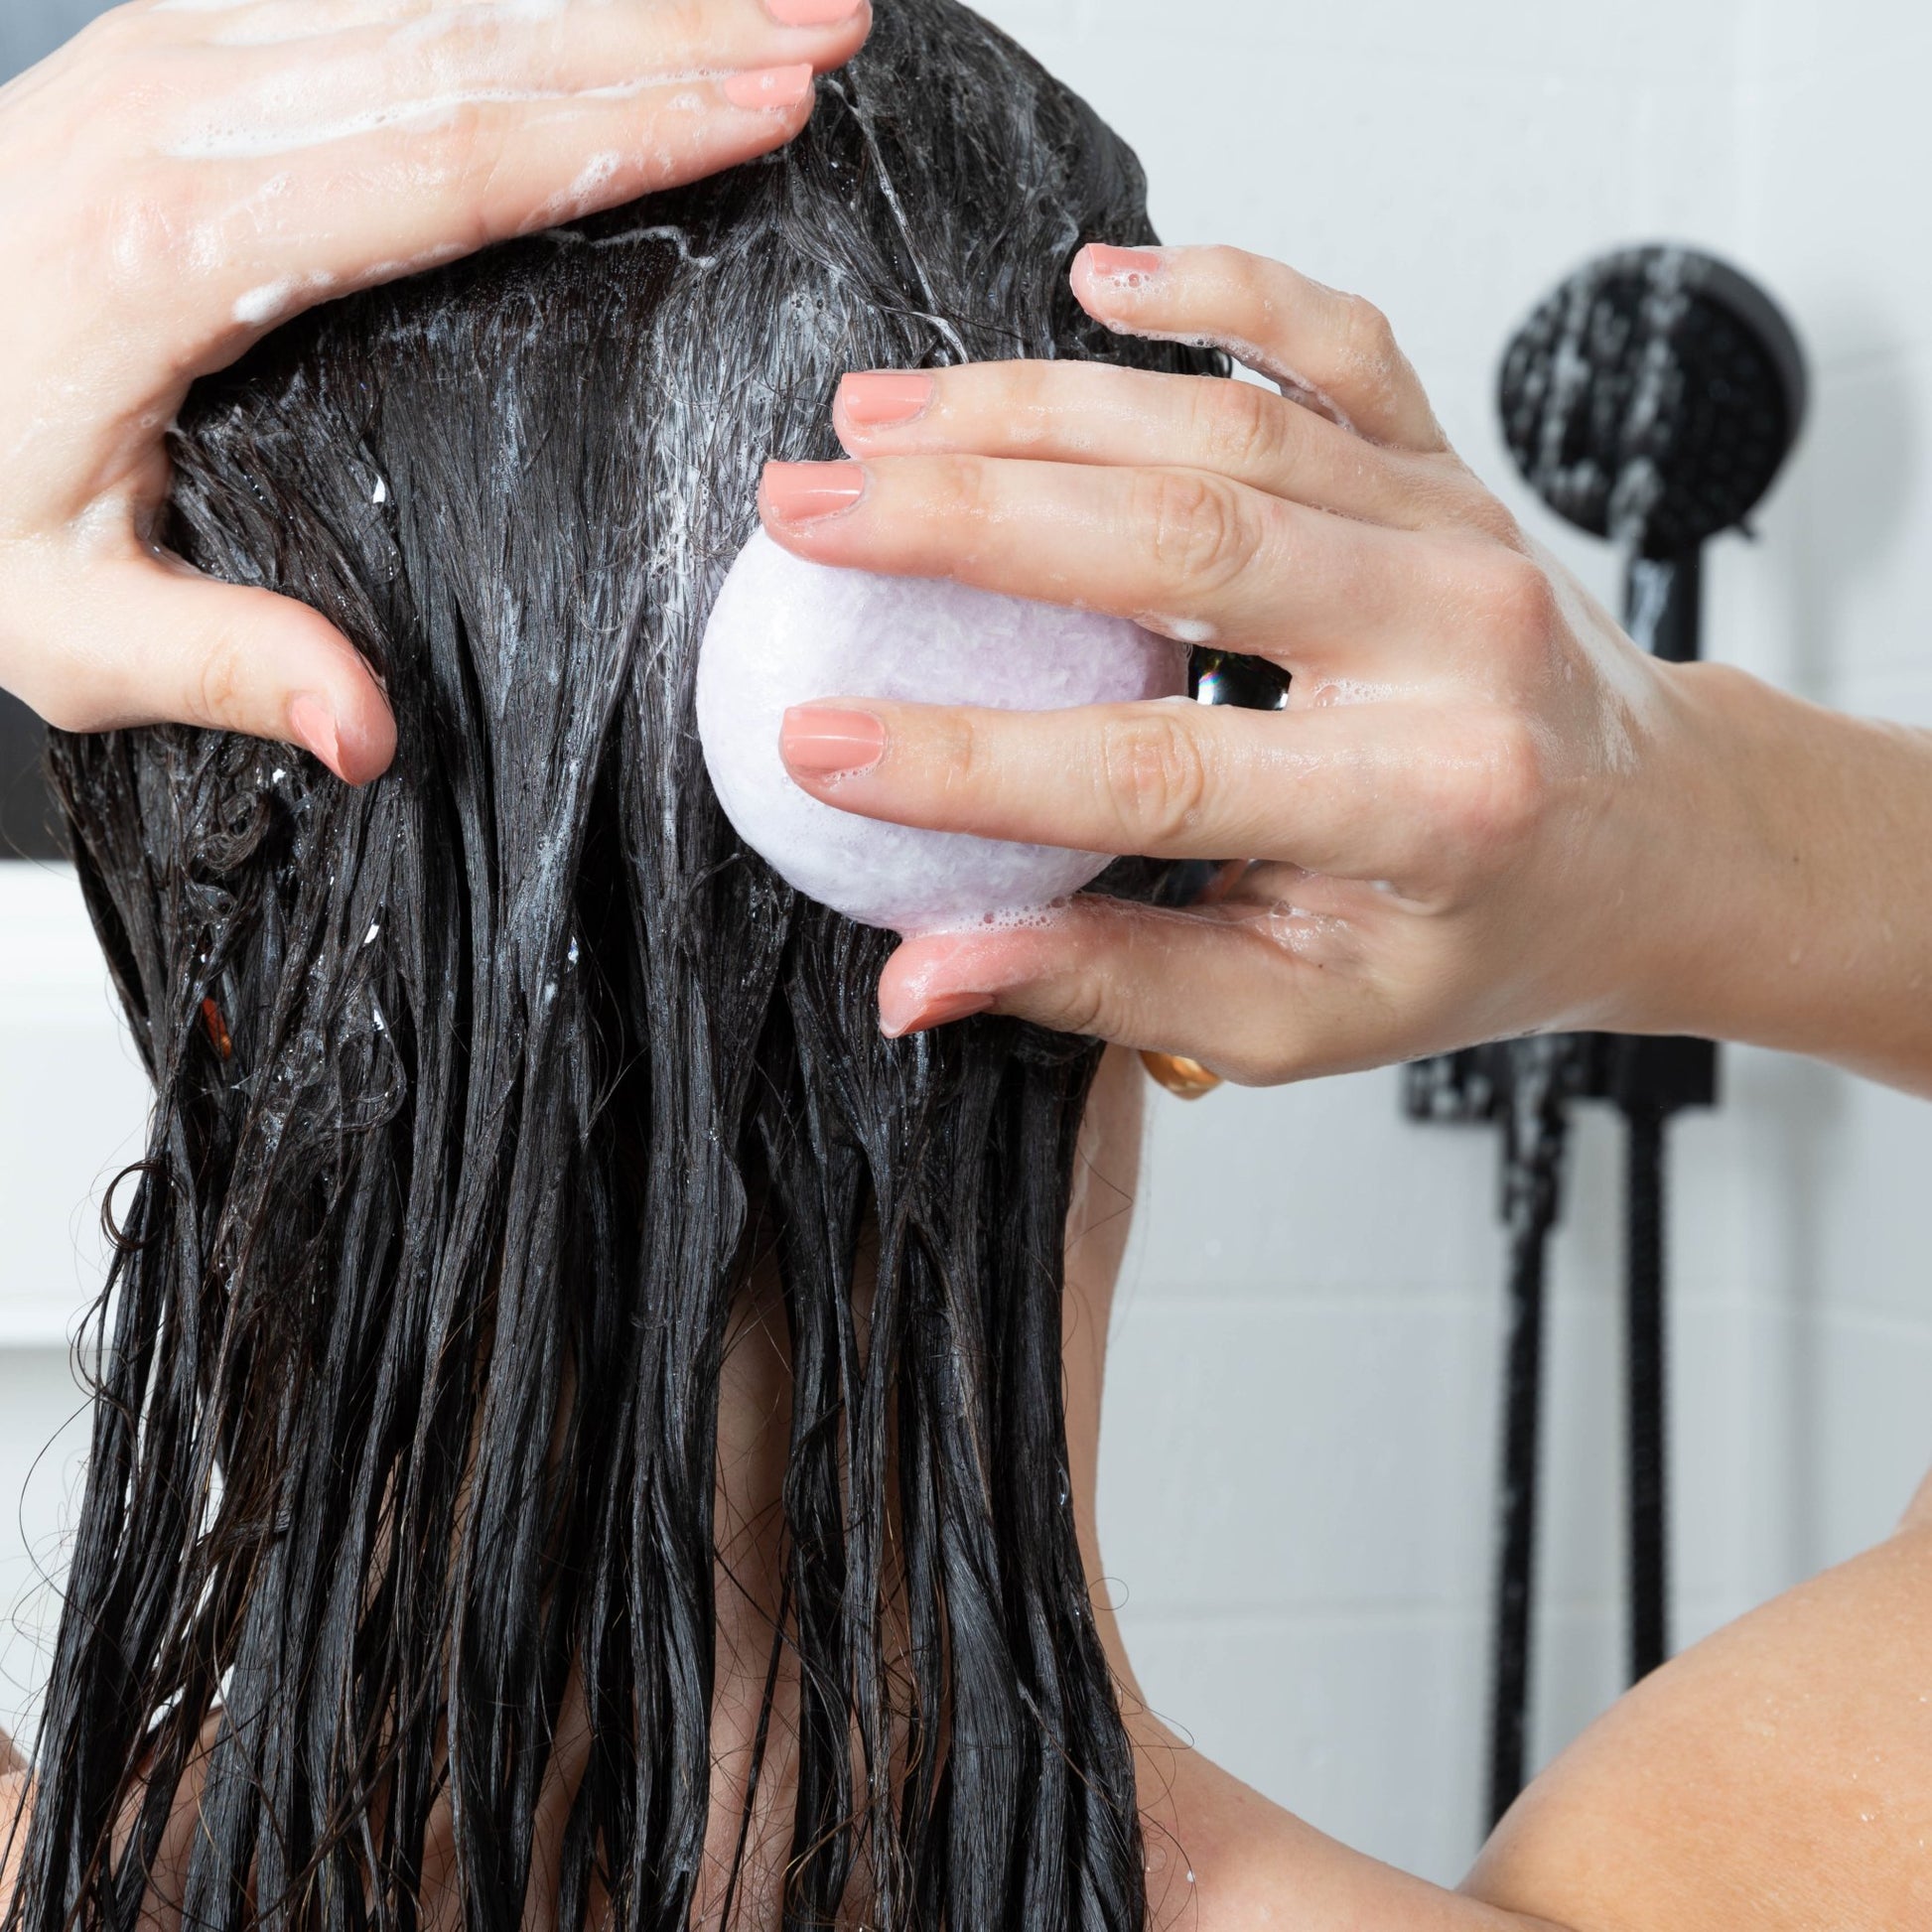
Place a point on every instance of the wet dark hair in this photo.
(481, 1090)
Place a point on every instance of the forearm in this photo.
(1801, 860)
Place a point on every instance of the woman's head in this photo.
(483, 1091)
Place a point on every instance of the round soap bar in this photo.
(786, 632)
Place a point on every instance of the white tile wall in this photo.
(1301, 1426)
(42, 1460)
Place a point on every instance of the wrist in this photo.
(1717, 872)
(1793, 854)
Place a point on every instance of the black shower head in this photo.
(1653, 397)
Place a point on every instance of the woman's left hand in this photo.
(1468, 819)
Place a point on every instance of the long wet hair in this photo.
(479, 1092)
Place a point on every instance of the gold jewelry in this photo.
(1187, 1079)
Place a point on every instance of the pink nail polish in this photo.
(817, 740)
(811, 13)
(770, 90)
(939, 1011)
(803, 493)
(878, 399)
(1125, 268)
(313, 726)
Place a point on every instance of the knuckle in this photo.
(1477, 509)
(1456, 499)
(465, 135)
(960, 750)
(1083, 1006)
(1199, 532)
(1503, 789)
(1026, 394)
(1241, 427)
(1518, 602)
(1154, 779)
(145, 228)
(1253, 277)
(1367, 338)
(472, 147)
(1505, 597)
(959, 490)
(216, 691)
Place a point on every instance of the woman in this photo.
(443, 1769)
(584, 1433)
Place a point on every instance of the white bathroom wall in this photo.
(1299, 1441)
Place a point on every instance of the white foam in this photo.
(584, 192)
(786, 632)
(278, 118)
(1251, 355)
(1186, 631)
(263, 307)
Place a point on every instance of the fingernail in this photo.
(881, 396)
(811, 13)
(802, 492)
(772, 89)
(312, 725)
(941, 1010)
(1126, 268)
(816, 741)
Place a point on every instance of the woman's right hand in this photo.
(187, 173)
(1483, 812)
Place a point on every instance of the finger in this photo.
(1333, 352)
(548, 41)
(1184, 552)
(1258, 996)
(402, 197)
(1407, 795)
(153, 642)
(333, 147)
(1096, 413)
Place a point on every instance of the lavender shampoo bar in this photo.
(786, 632)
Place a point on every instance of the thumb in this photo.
(154, 641)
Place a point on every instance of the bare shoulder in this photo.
(1221, 1858)
(1777, 1775)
